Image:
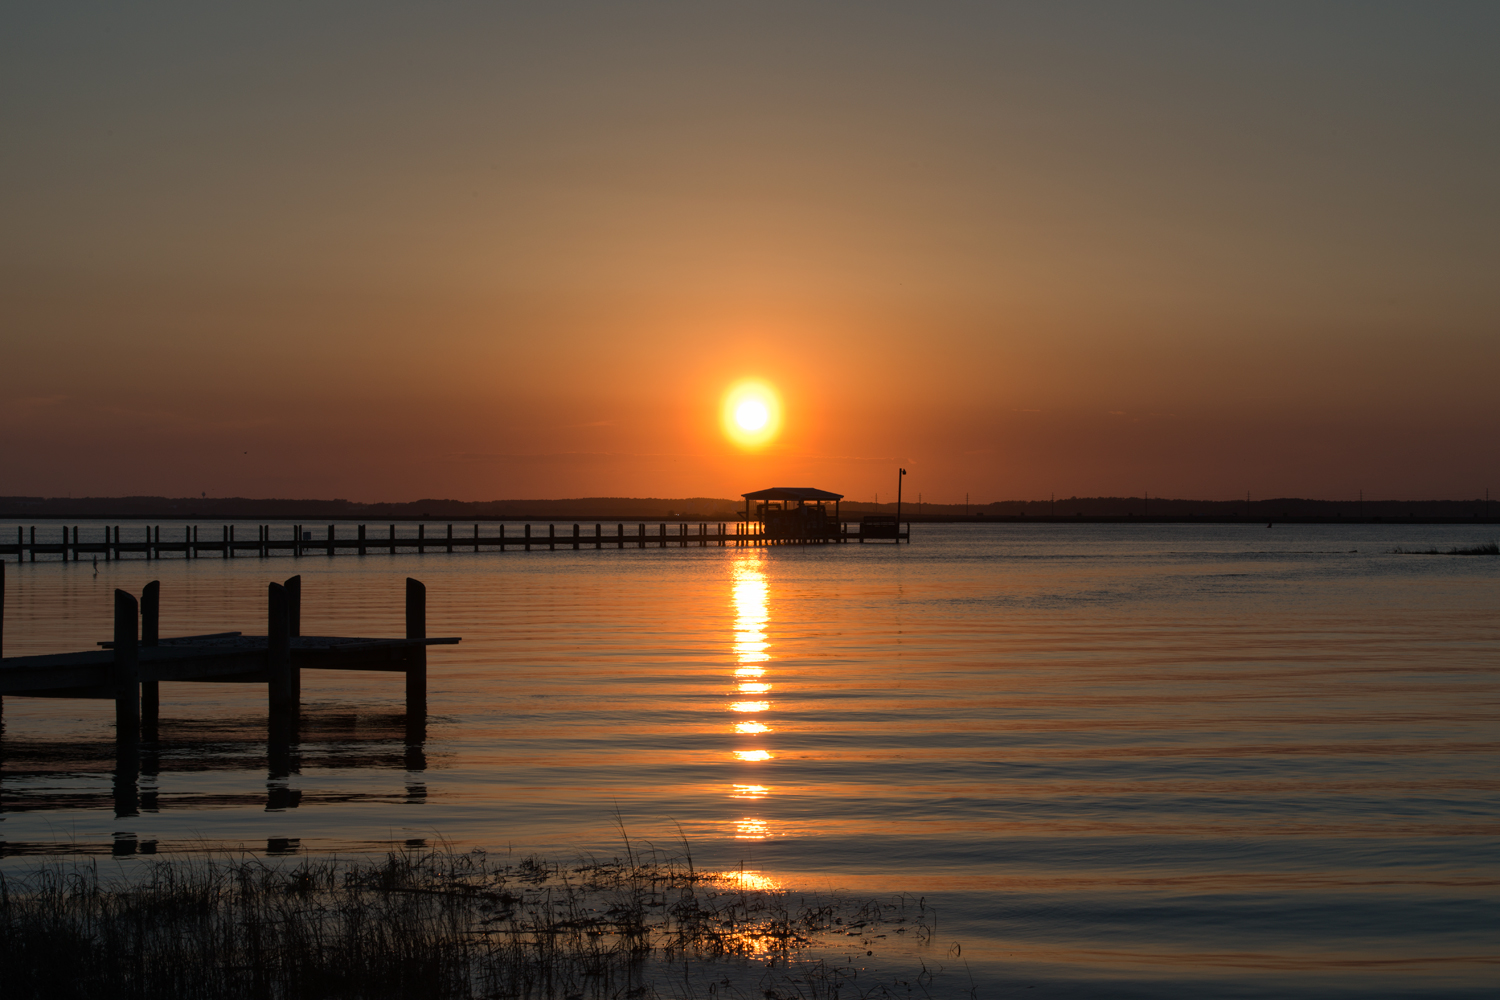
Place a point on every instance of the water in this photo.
(1166, 760)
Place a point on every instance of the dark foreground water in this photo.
(1121, 761)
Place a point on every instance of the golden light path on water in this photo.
(750, 600)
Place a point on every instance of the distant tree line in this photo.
(713, 508)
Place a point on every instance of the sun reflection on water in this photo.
(752, 612)
(751, 829)
(753, 881)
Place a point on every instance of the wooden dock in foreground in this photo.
(70, 543)
(131, 666)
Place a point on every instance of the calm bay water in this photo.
(1121, 760)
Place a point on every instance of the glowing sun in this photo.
(752, 413)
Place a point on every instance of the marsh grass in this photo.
(1485, 549)
(432, 924)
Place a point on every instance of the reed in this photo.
(1485, 549)
(429, 924)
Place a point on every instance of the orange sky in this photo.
(383, 253)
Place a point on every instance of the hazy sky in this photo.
(386, 252)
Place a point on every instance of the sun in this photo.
(752, 413)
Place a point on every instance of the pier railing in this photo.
(110, 542)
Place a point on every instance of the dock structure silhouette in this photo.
(71, 543)
(131, 666)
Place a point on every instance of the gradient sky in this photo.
(386, 252)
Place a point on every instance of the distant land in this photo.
(724, 509)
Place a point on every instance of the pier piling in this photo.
(279, 697)
(126, 675)
(416, 667)
(150, 635)
(294, 605)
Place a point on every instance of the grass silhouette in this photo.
(429, 924)
(1486, 549)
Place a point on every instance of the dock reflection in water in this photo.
(193, 764)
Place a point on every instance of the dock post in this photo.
(416, 663)
(450, 538)
(640, 534)
(528, 537)
(282, 706)
(33, 543)
(551, 538)
(421, 535)
(150, 636)
(620, 534)
(361, 539)
(294, 630)
(126, 678)
(330, 539)
(501, 537)
(598, 536)
(575, 538)
(2, 629)
(294, 606)
(393, 539)
(476, 536)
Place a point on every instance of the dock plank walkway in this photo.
(218, 657)
(129, 668)
(70, 543)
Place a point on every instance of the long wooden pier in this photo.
(111, 542)
(133, 664)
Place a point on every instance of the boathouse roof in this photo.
(792, 493)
